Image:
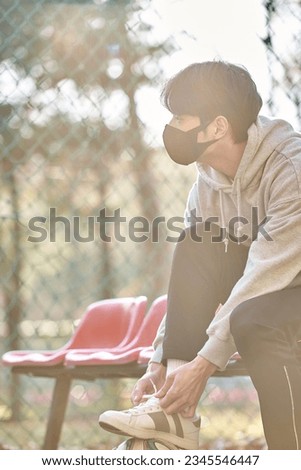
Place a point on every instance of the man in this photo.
(235, 282)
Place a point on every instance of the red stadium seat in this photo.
(125, 353)
(106, 324)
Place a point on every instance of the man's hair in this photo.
(211, 89)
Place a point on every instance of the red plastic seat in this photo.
(125, 353)
(106, 324)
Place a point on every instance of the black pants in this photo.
(266, 329)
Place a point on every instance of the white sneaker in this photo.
(149, 421)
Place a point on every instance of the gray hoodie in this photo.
(266, 189)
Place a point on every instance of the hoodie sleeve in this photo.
(274, 262)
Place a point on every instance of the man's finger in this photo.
(139, 390)
(188, 412)
(136, 396)
(165, 388)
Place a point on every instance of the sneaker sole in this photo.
(149, 434)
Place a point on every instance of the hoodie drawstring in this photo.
(224, 228)
(238, 196)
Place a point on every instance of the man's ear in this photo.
(220, 127)
(217, 129)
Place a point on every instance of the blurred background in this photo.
(81, 125)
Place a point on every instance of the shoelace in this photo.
(152, 404)
(149, 401)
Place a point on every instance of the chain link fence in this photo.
(90, 205)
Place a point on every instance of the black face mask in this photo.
(182, 147)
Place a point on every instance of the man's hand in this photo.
(183, 388)
(149, 383)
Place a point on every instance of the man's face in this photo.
(185, 139)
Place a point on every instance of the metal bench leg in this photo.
(57, 412)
